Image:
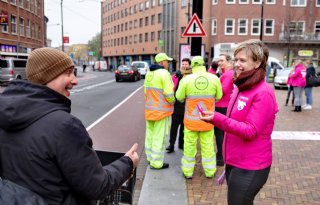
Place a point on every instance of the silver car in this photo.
(11, 69)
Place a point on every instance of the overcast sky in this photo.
(81, 20)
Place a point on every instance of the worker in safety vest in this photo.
(159, 101)
(204, 89)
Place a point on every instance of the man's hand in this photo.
(206, 116)
(133, 155)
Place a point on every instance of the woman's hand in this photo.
(206, 116)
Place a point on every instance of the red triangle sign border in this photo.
(197, 20)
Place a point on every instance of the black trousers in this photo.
(176, 121)
(219, 134)
(244, 185)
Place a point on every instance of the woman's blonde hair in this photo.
(256, 49)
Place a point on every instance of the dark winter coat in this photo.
(311, 71)
(47, 150)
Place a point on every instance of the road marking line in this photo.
(90, 87)
(114, 108)
(295, 135)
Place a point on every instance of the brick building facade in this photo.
(139, 29)
(24, 28)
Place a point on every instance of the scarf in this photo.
(248, 79)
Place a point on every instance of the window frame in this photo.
(214, 27)
(245, 27)
(265, 27)
(259, 27)
(298, 3)
(225, 26)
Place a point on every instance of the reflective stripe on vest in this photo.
(156, 106)
(191, 115)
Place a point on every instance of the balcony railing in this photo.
(283, 36)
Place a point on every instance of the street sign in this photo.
(194, 28)
(66, 39)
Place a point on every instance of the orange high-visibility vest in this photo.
(156, 107)
(191, 115)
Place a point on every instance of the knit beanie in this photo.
(45, 64)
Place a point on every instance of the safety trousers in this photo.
(156, 134)
(208, 158)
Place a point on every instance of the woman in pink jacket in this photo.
(298, 81)
(248, 125)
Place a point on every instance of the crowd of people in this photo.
(48, 151)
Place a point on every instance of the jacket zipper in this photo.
(225, 144)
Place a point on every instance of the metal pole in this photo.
(62, 26)
(188, 20)
(261, 23)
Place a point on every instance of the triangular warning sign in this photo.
(194, 28)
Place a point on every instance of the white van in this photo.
(142, 67)
(11, 69)
(100, 66)
(275, 65)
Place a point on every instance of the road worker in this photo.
(204, 89)
(159, 101)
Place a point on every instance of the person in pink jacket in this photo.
(290, 88)
(248, 125)
(226, 66)
(298, 81)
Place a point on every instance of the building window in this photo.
(230, 1)
(296, 28)
(214, 27)
(146, 37)
(243, 1)
(229, 27)
(317, 29)
(269, 27)
(214, 2)
(160, 18)
(159, 35)
(255, 27)
(160, 2)
(298, 3)
(140, 38)
(28, 28)
(140, 22)
(28, 4)
(13, 2)
(32, 31)
(126, 26)
(270, 1)
(153, 19)
(153, 3)
(20, 3)
(242, 26)
(130, 39)
(147, 4)
(153, 36)
(141, 6)
(183, 29)
(318, 3)
(135, 38)
(135, 8)
(146, 21)
(135, 24)
(256, 1)
(183, 3)
(4, 28)
(126, 40)
(21, 27)
(130, 25)
(13, 25)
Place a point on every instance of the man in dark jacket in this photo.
(43, 147)
(311, 71)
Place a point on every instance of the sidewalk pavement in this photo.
(294, 177)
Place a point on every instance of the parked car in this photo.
(280, 81)
(11, 69)
(100, 66)
(125, 72)
(275, 66)
(142, 66)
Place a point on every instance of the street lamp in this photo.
(62, 26)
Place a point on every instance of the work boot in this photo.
(170, 148)
(164, 166)
(299, 108)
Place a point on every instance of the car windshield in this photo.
(123, 68)
(138, 65)
(284, 72)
